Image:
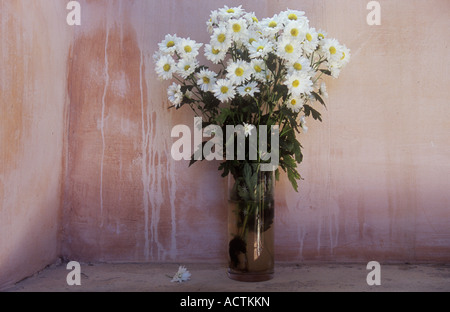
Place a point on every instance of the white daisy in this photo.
(300, 65)
(233, 12)
(224, 90)
(169, 44)
(311, 41)
(186, 67)
(221, 38)
(332, 50)
(271, 26)
(259, 68)
(206, 79)
(260, 48)
(249, 89)
(214, 54)
(323, 90)
(299, 84)
(345, 55)
(174, 94)
(188, 48)
(239, 72)
(303, 124)
(294, 31)
(165, 67)
(289, 50)
(295, 104)
(238, 28)
(182, 275)
(291, 15)
(248, 128)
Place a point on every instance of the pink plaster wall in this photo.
(34, 44)
(376, 170)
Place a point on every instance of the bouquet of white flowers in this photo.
(267, 70)
(263, 72)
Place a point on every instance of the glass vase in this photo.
(251, 212)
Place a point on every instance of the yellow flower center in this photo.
(309, 37)
(251, 40)
(230, 11)
(239, 71)
(260, 48)
(292, 17)
(166, 67)
(215, 52)
(293, 102)
(289, 48)
(170, 44)
(298, 66)
(236, 28)
(221, 38)
(273, 24)
(224, 89)
(321, 36)
(294, 32)
(258, 69)
(255, 19)
(248, 89)
(187, 67)
(295, 83)
(343, 56)
(206, 80)
(332, 50)
(187, 49)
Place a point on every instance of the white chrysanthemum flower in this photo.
(169, 44)
(249, 89)
(259, 69)
(238, 28)
(345, 56)
(300, 65)
(321, 35)
(291, 15)
(248, 128)
(295, 104)
(299, 84)
(238, 72)
(332, 50)
(174, 94)
(165, 67)
(335, 69)
(188, 48)
(221, 38)
(303, 124)
(233, 12)
(270, 26)
(251, 19)
(289, 50)
(311, 41)
(323, 90)
(213, 20)
(294, 31)
(260, 48)
(186, 67)
(182, 275)
(214, 54)
(224, 90)
(206, 79)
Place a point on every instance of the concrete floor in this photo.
(213, 278)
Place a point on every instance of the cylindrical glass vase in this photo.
(251, 212)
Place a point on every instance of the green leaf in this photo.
(318, 98)
(326, 72)
(311, 111)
